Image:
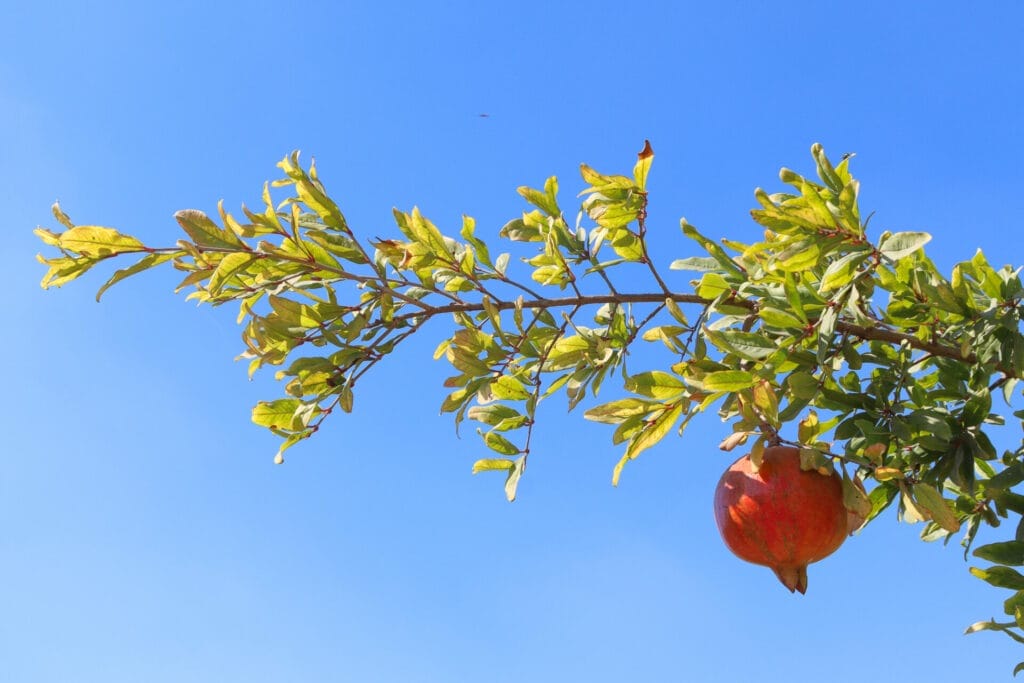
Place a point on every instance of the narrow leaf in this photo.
(655, 431)
(146, 262)
(1005, 552)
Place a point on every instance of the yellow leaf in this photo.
(97, 242)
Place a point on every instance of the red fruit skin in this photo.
(781, 516)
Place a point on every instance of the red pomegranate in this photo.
(780, 516)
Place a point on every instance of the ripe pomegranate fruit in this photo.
(780, 516)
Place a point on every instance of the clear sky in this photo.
(145, 534)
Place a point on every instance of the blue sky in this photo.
(146, 536)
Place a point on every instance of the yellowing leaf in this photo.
(855, 500)
(767, 402)
(644, 159)
(875, 451)
(98, 242)
(64, 269)
(887, 473)
(204, 232)
(492, 465)
(278, 414)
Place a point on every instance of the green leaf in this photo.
(493, 414)
(779, 318)
(324, 207)
(146, 262)
(901, 244)
(617, 472)
(627, 245)
(604, 183)
(279, 414)
(229, 266)
(654, 431)
(1005, 552)
(498, 443)
(617, 411)
(1011, 476)
(504, 388)
(798, 256)
(545, 201)
(841, 272)
(749, 345)
(468, 229)
(1013, 603)
(566, 353)
(728, 380)
(929, 498)
(719, 254)
(796, 302)
(881, 497)
(803, 385)
(426, 233)
(466, 361)
(655, 384)
(514, 474)
(977, 408)
(1000, 577)
(288, 442)
(712, 285)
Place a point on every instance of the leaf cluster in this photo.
(853, 347)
